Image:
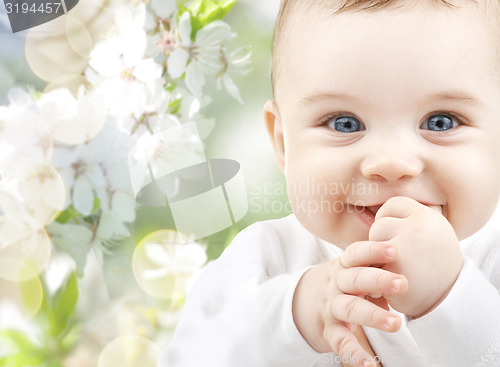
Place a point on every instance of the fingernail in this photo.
(389, 251)
(396, 283)
(389, 322)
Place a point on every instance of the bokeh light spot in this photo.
(21, 285)
(70, 81)
(49, 52)
(130, 351)
(78, 36)
(24, 240)
(40, 189)
(165, 264)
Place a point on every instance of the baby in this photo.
(397, 102)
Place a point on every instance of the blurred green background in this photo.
(239, 134)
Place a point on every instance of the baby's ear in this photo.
(275, 131)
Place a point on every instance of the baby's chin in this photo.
(341, 233)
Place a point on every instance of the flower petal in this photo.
(195, 79)
(176, 63)
(164, 8)
(185, 29)
(105, 57)
(134, 47)
(157, 254)
(111, 227)
(155, 273)
(147, 70)
(83, 196)
(212, 34)
(231, 88)
(124, 205)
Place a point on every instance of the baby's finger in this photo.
(368, 280)
(397, 207)
(366, 253)
(343, 341)
(385, 229)
(357, 310)
(437, 208)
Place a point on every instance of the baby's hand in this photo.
(429, 254)
(329, 300)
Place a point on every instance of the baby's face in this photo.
(389, 103)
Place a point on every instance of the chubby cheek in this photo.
(469, 217)
(329, 226)
(320, 184)
(323, 211)
(473, 197)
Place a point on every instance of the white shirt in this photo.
(239, 312)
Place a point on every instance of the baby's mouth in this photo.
(367, 213)
(373, 209)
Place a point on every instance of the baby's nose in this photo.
(391, 163)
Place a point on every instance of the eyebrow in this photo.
(452, 96)
(328, 96)
(455, 97)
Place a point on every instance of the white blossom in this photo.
(179, 259)
(95, 169)
(139, 117)
(33, 188)
(164, 8)
(68, 160)
(72, 120)
(23, 135)
(200, 57)
(124, 78)
(153, 118)
(238, 62)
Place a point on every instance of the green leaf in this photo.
(63, 305)
(195, 26)
(56, 311)
(204, 12)
(218, 12)
(195, 7)
(97, 204)
(42, 318)
(175, 106)
(17, 338)
(67, 214)
(30, 357)
(171, 86)
(71, 338)
(27, 353)
(71, 212)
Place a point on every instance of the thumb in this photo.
(437, 208)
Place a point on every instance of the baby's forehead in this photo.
(297, 16)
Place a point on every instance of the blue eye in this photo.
(346, 124)
(439, 123)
